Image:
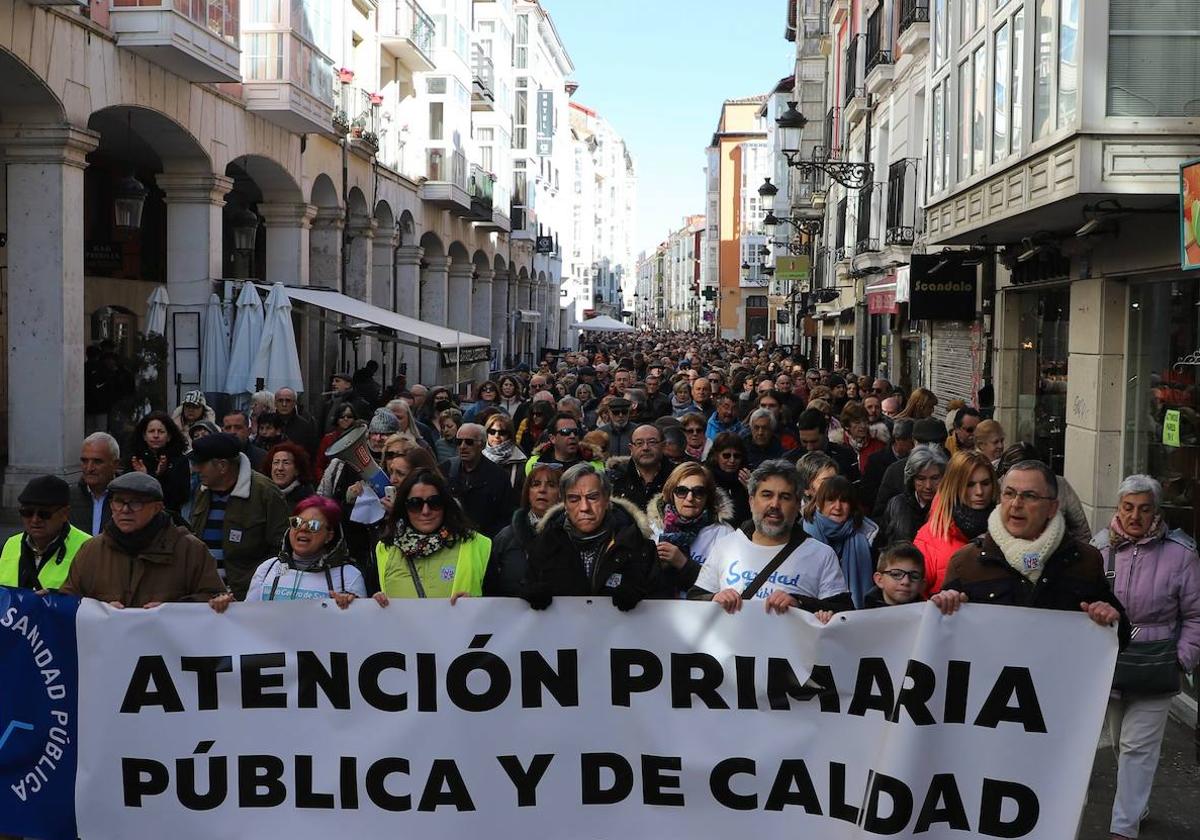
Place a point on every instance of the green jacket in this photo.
(255, 521)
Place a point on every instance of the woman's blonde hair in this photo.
(988, 430)
(920, 405)
(953, 488)
(687, 470)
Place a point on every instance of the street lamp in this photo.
(850, 174)
(129, 198)
(245, 230)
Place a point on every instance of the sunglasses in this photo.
(693, 430)
(416, 504)
(467, 442)
(37, 513)
(501, 433)
(567, 432)
(697, 492)
(297, 523)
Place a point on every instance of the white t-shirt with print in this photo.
(295, 585)
(812, 569)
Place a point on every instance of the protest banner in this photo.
(491, 719)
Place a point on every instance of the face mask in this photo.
(442, 404)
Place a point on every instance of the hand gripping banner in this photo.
(488, 718)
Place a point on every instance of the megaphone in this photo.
(352, 449)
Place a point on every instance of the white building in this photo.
(604, 213)
(357, 152)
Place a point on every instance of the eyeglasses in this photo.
(1026, 496)
(693, 430)
(639, 444)
(500, 433)
(387, 456)
(732, 455)
(133, 505)
(619, 411)
(697, 492)
(415, 504)
(900, 574)
(297, 523)
(567, 432)
(37, 513)
(467, 441)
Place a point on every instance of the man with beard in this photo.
(619, 428)
(771, 551)
(641, 477)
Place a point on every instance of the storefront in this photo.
(1043, 329)
(943, 296)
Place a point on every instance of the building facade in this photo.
(381, 151)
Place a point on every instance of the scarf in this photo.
(137, 542)
(1118, 538)
(417, 546)
(589, 546)
(852, 549)
(1027, 556)
(971, 522)
(499, 453)
(681, 531)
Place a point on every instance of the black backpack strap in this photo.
(798, 536)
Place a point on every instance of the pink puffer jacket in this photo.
(1158, 581)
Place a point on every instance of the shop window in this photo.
(1153, 66)
(1042, 372)
(1162, 410)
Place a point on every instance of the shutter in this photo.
(953, 360)
(1153, 66)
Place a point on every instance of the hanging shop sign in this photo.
(942, 288)
(881, 297)
(466, 355)
(792, 269)
(545, 123)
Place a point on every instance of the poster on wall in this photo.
(1189, 215)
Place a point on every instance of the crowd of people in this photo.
(653, 466)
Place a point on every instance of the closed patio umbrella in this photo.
(247, 336)
(214, 349)
(156, 311)
(278, 362)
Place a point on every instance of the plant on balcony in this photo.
(358, 126)
(371, 139)
(376, 98)
(341, 121)
(345, 75)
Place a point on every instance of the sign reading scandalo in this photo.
(942, 288)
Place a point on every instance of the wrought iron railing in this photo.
(878, 50)
(913, 11)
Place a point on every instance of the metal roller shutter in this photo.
(953, 364)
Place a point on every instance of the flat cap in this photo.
(46, 490)
(137, 483)
(214, 446)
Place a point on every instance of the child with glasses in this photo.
(899, 577)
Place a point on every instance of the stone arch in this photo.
(499, 265)
(408, 228)
(147, 139)
(356, 204)
(271, 179)
(324, 193)
(432, 245)
(24, 97)
(458, 254)
(385, 219)
(481, 261)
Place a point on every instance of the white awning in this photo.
(529, 316)
(444, 337)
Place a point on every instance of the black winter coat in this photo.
(484, 493)
(627, 481)
(903, 518)
(626, 569)
(509, 562)
(737, 492)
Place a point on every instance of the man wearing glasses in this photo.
(40, 556)
(481, 487)
(618, 428)
(643, 476)
(564, 447)
(1026, 558)
(142, 559)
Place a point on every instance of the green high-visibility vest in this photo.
(54, 573)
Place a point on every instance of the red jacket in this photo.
(937, 551)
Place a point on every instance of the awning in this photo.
(529, 316)
(444, 338)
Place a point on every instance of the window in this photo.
(437, 127)
(1153, 65)
(1043, 71)
(435, 84)
(941, 33)
(1068, 61)
(1018, 76)
(979, 113)
(939, 140)
(1001, 63)
(964, 119)
(264, 56)
(521, 50)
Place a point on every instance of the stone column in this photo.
(359, 259)
(500, 317)
(288, 245)
(324, 270)
(45, 300)
(194, 202)
(481, 305)
(522, 331)
(434, 283)
(458, 297)
(407, 301)
(1096, 372)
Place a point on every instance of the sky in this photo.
(658, 71)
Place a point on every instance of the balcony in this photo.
(195, 39)
(839, 10)
(483, 81)
(446, 181)
(481, 187)
(407, 33)
(914, 25)
(879, 56)
(287, 81)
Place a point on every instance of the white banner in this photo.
(488, 719)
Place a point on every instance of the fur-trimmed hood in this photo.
(619, 509)
(657, 508)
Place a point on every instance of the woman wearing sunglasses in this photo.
(429, 548)
(312, 563)
(486, 396)
(686, 519)
(501, 449)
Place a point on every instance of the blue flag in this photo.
(38, 711)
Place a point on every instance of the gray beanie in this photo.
(383, 422)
